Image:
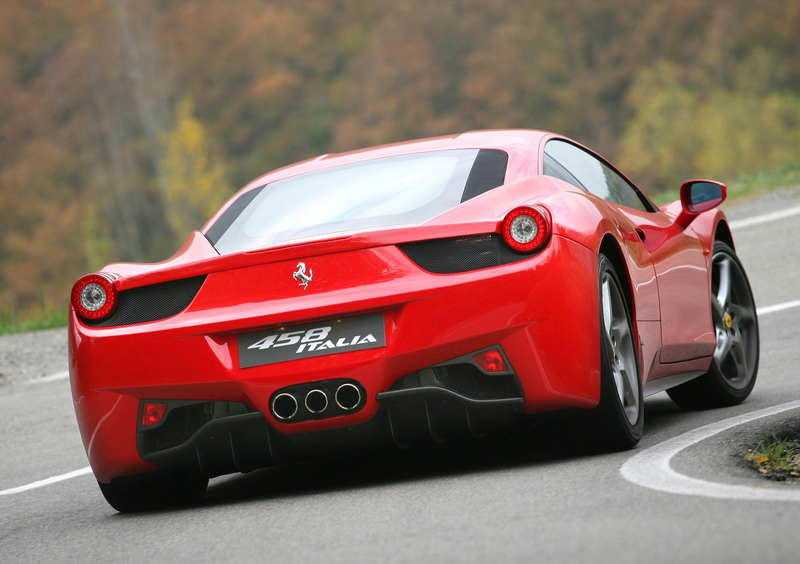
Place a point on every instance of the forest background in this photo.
(125, 123)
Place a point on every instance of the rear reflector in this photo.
(153, 413)
(491, 361)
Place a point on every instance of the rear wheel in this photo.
(151, 491)
(733, 370)
(619, 417)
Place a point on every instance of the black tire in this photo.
(618, 420)
(732, 375)
(152, 491)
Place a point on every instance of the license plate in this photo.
(313, 339)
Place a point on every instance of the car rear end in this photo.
(380, 331)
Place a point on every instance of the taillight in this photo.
(94, 296)
(526, 229)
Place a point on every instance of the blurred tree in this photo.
(658, 145)
(680, 131)
(93, 143)
(41, 250)
(128, 110)
(194, 174)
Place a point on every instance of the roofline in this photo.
(515, 142)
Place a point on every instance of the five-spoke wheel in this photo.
(619, 416)
(733, 370)
(618, 336)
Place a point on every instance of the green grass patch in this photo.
(41, 318)
(776, 458)
(748, 186)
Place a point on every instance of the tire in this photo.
(734, 368)
(152, 491)
(618, 419)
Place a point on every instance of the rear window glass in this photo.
(393, 191)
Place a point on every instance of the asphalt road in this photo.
(510, 499)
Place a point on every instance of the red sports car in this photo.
(415, 292)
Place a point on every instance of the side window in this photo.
(552, 168)
(594, 175)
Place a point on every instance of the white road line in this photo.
(766, 218)
(47, 481)
(777, 307)
(651, 467)
(51, 378)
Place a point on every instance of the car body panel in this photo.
(194, 354)
(542, 311)
(681, 265)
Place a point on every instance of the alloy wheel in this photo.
(617, 331)
(734, 316)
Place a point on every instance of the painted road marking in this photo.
(51, 378)
(766, 218)
(777, 307)
(48, 481)
(651, 467)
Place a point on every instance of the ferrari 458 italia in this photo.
(422, 291)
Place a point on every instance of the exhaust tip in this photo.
(284, 406)
(316, 401)
(348, 396)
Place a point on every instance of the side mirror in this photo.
(698, 196)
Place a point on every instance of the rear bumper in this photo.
(536, 310)
(246, 442)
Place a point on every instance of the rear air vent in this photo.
(461, 254)
(465, 380)
(151, 303)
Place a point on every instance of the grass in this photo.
(41, 318)
(776, 459)
(749, 186)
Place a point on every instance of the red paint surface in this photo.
(542, 311)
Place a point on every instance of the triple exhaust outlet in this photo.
(286, 405)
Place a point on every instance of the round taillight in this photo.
(94, 296)
(526, 229)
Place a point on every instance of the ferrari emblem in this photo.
(728, 320)
(302, 276)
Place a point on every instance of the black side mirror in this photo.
(698, 196)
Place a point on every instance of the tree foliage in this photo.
(680, 130)
(102, 158)
(195, 184)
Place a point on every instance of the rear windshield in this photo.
(402, 190)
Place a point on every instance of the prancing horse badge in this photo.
(302, 276)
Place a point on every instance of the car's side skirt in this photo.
(661, 384)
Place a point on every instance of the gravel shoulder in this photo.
(29, 356)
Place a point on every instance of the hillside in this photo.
(125, 123)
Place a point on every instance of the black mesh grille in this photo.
(464, 379)
(151, 303)
(461, 254)
(184, 421)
